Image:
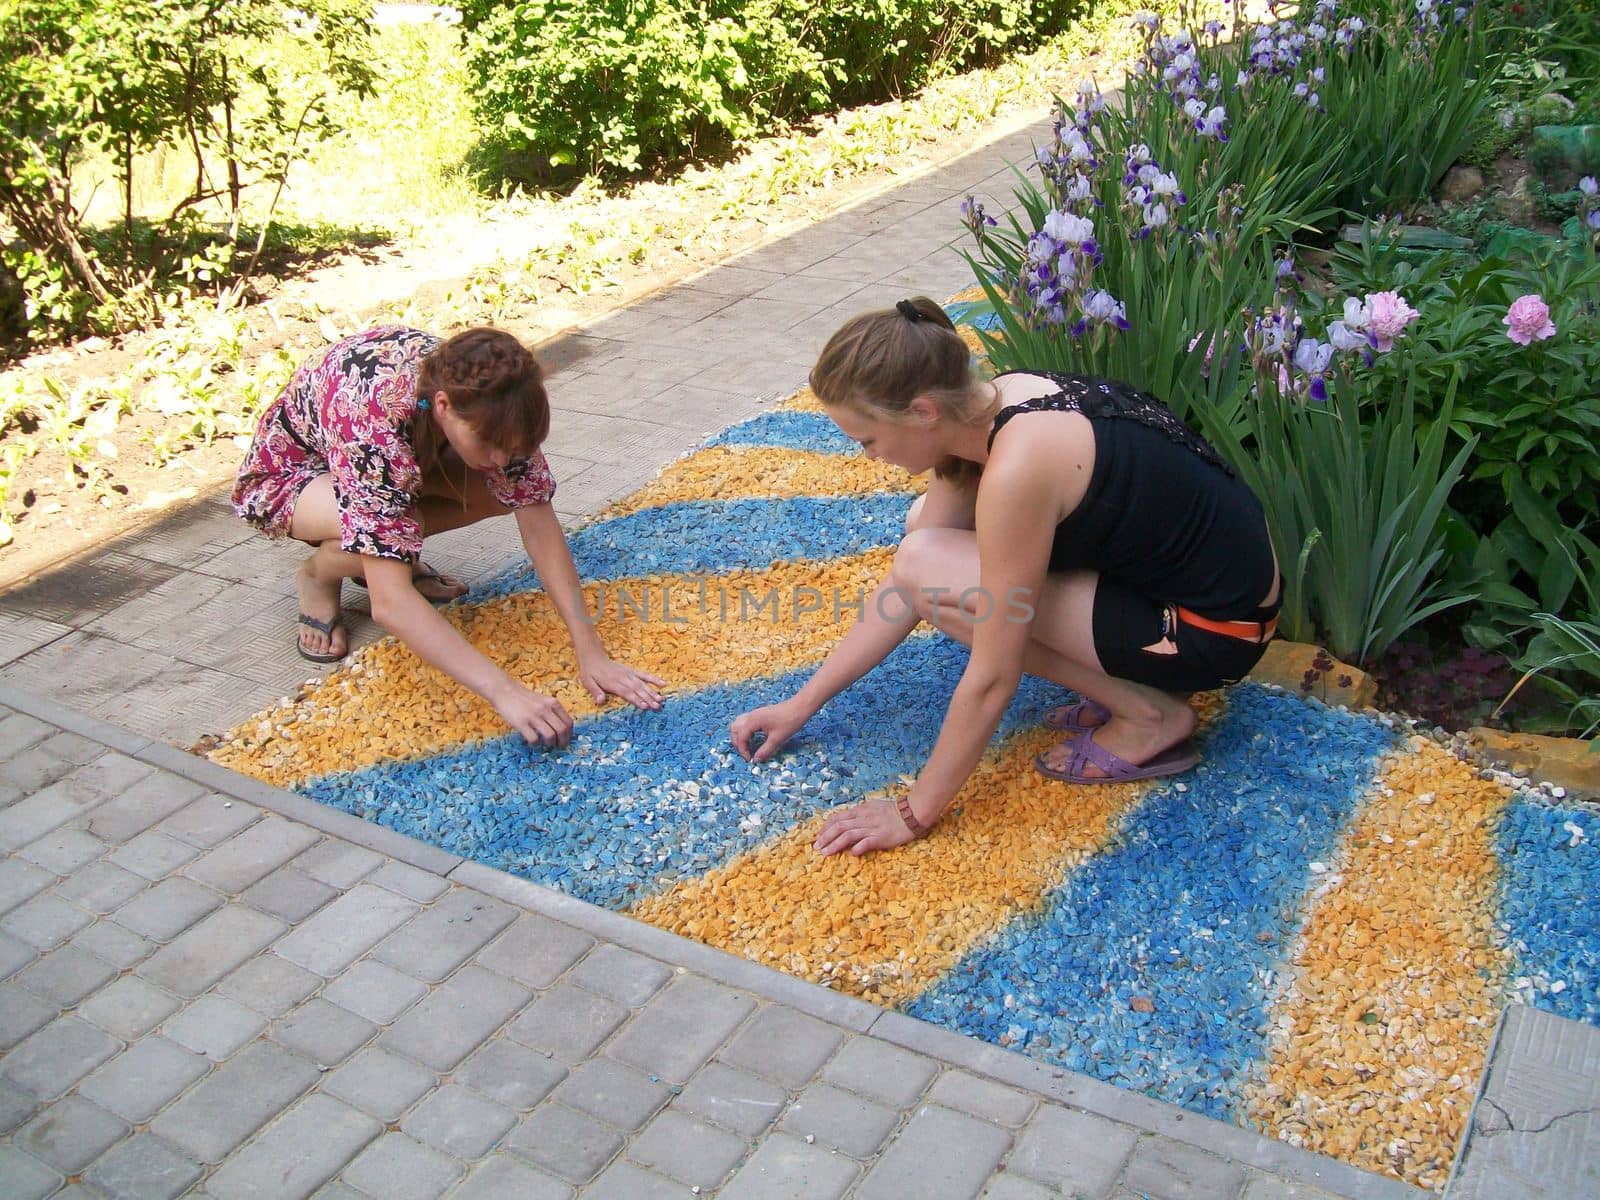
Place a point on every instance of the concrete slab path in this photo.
(211, 987)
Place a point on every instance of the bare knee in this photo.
(924, 566)
(914, 513)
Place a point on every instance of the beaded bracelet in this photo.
(917, 828)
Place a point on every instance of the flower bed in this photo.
(1311, 934)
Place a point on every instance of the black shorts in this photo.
(1127, 622)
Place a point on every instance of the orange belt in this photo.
(1245, 631)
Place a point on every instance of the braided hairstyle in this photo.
(495, 384)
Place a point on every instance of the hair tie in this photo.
(908, 310)
(423, 404)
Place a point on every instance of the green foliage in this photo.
(1535, 409)
(119, 80)
(573, 87)
(1355, 500)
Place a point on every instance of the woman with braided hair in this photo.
(1075, 530)
(393, 434)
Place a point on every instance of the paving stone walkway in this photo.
(215, 988)
(210, 987)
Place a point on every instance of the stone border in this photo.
(953, 1049)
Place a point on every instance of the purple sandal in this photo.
(1085, 753)
(1071, 716)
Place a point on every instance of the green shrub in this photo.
(571, 87)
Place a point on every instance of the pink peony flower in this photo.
(1390, 314)
(1528, 320)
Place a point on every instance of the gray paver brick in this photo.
(397, 1167)
(441, 938)
(511, 1074)
(242, 1095)
(45, 921)
(65, 976)
(167, 909)
(785, 1168)
(19, 731)
(733, 1098)
(840, 1119)
(21, 1012)
(120, 947)
(572, 1144)
(304, 1149)
(26, 1177)
(153, 855)
(504, 1178)
(536, 951)
(615, 1093)
(1266, 1187)
(1072, 1151)
(71, 1134)
(129, 1007)
(371, 990)
(1169, 1170)
(16, 1106)
(209, 950)
(380, 1083)
(144, 1078)
(248, 856)
(210, 820)
(289, 894)
(35, 767)
(270, 984)
(411, 882)
(338, 863)
(322, 1032)
(215, 1026)
(21, 881)
(14, 954)
(459, 1122)
(939, 1155)
(1006, 1186)
(64, 850)
(569, 1022)
(880, 1071)
(346, 929)
(71, 792)
(676, 1144)
(455, 1018)
(621, 974)
(153, 798)
(143, 1168)
(57, 1056)
(624, 1181)
(102, 887)
(784, 1045)
(982, 1098)
(681, 1027)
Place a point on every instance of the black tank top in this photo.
(1163, 513)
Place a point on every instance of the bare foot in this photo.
(319, 600)
(1135, 742)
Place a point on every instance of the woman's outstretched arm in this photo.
(887, 617)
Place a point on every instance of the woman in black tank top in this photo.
(1075, 530)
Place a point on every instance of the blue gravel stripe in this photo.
(1550, 876)
(789, 430)
(715, 536)
(641, 799)
(1196, 898)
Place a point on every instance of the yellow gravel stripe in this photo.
(331, 727)
(1385, 1029)
(886, 926)
(765, 473)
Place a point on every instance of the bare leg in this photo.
(316, 521)
(938, 566)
